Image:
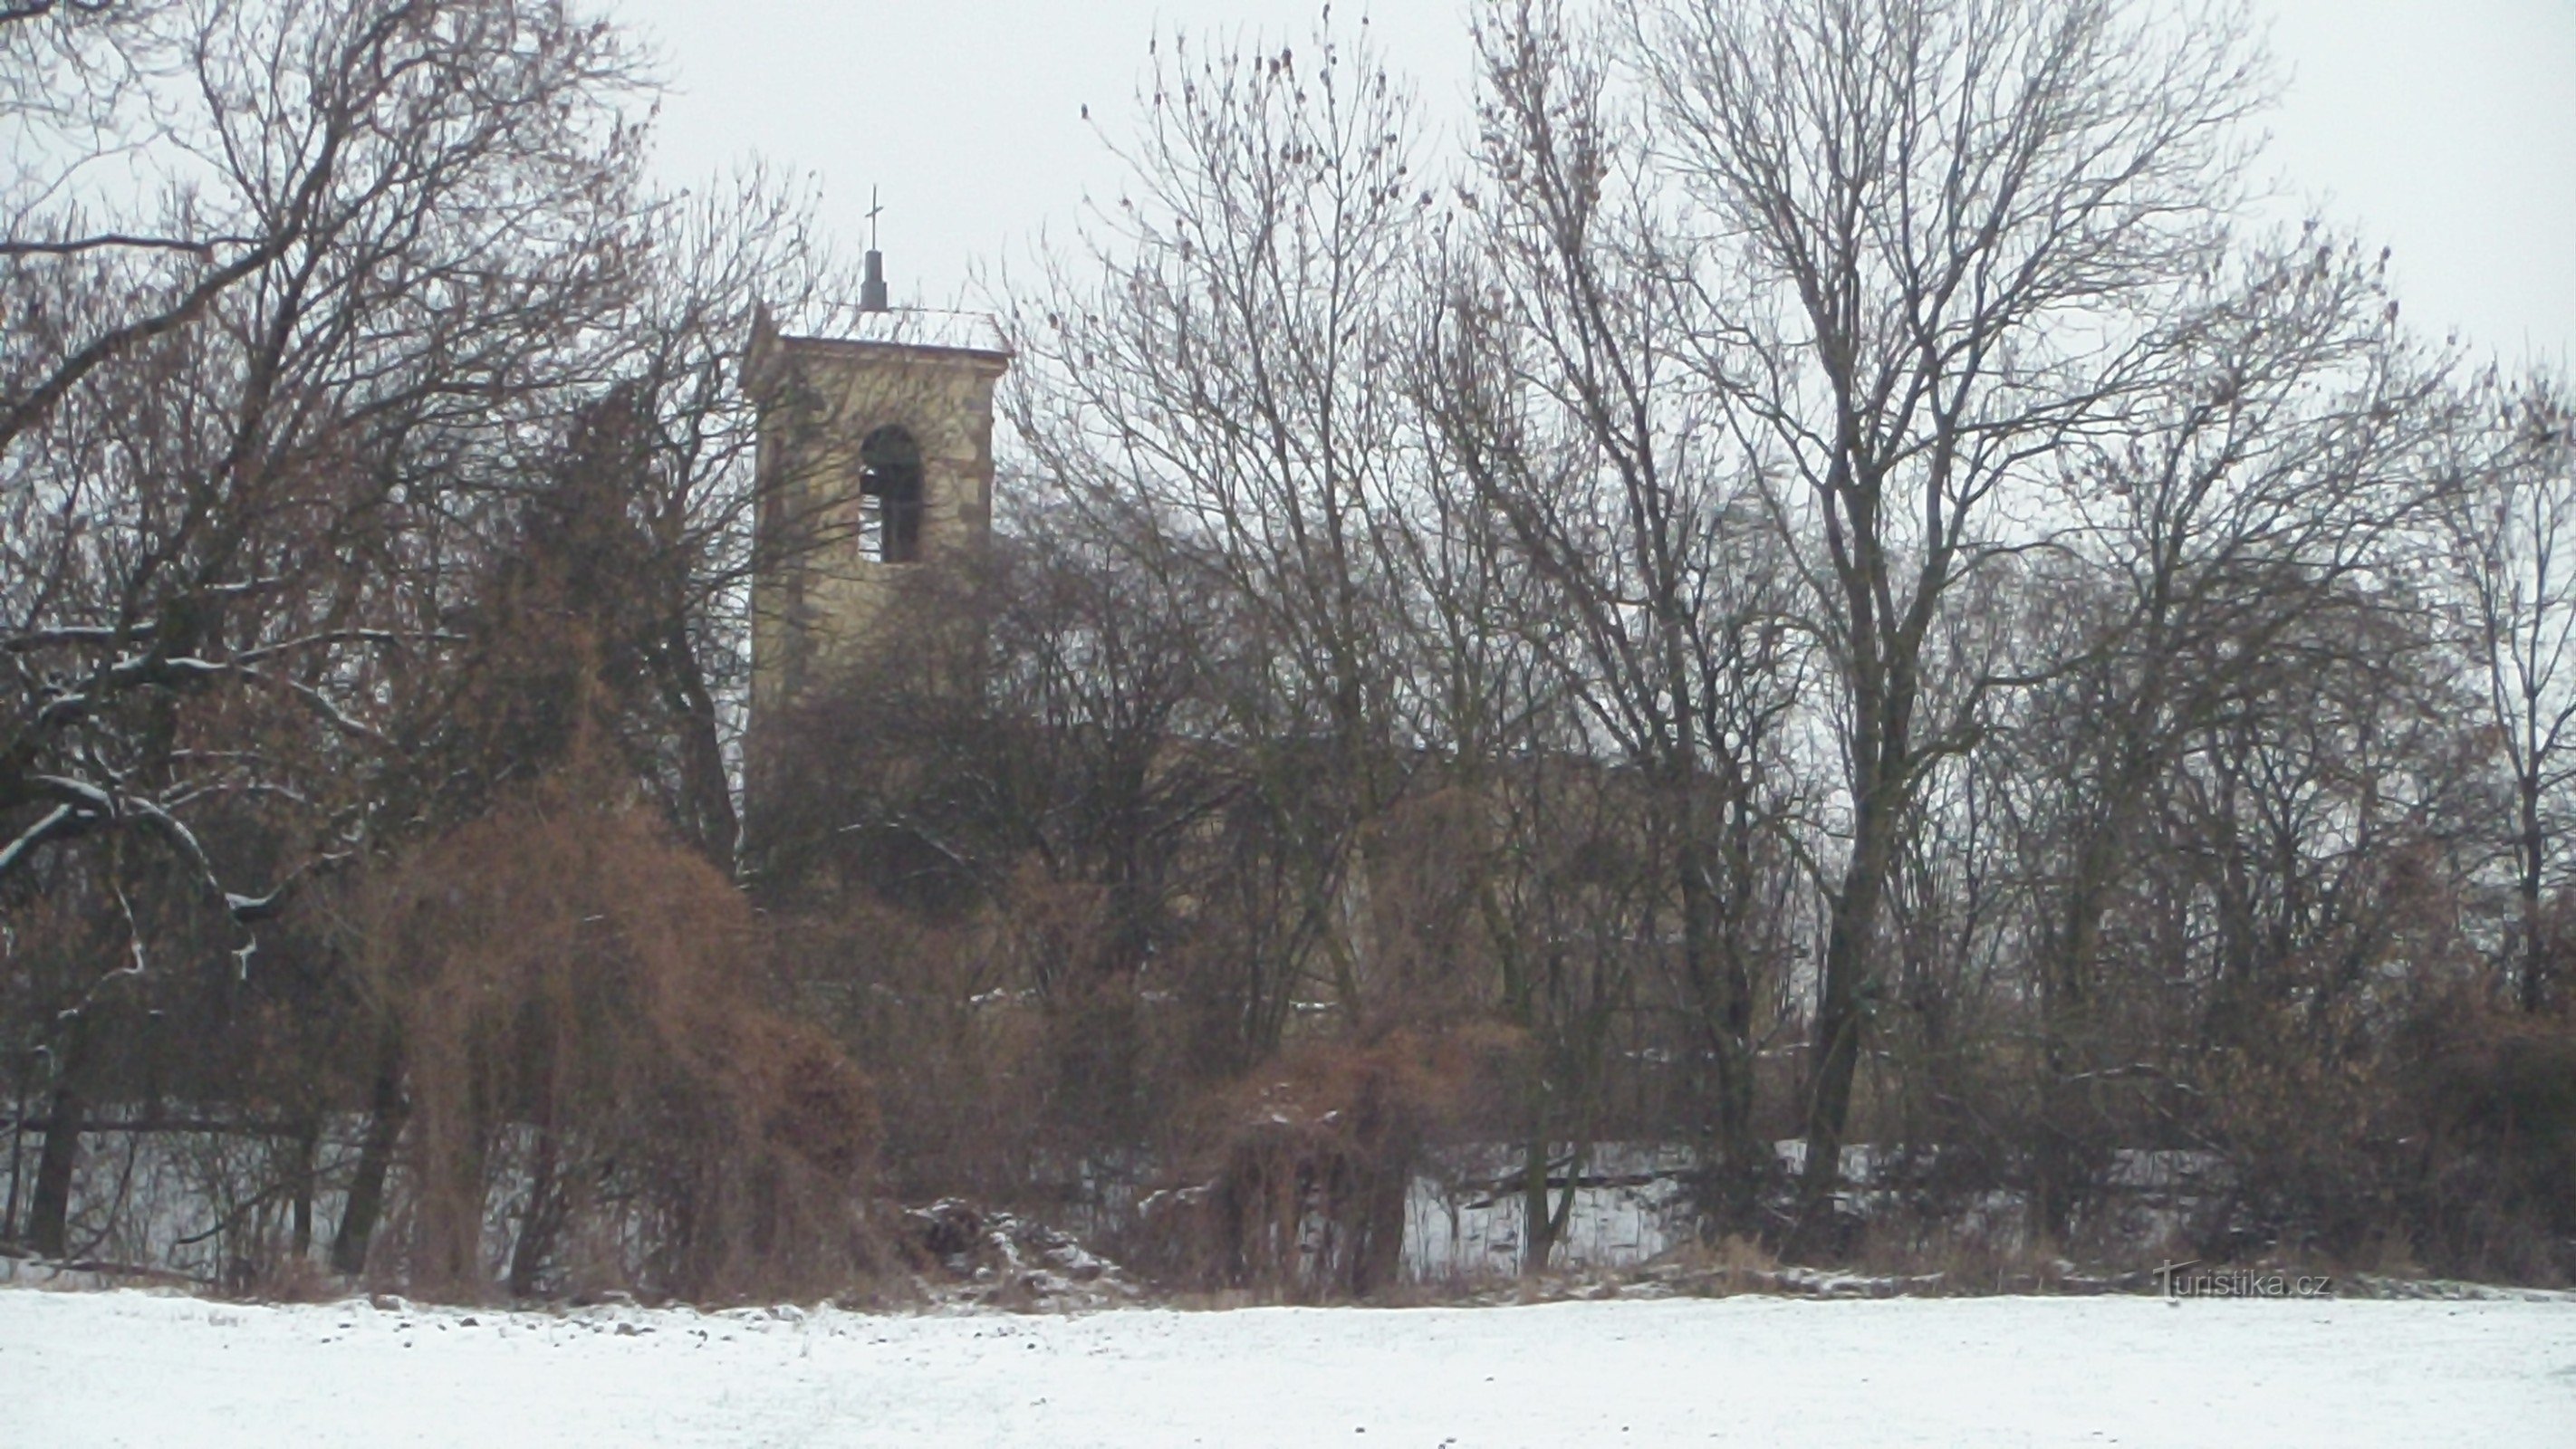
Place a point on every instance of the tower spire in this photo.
(872, 288)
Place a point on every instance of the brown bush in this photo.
(1298, 1174)
(959, 1059)
(2443, 1139)
(594, 1077)
(2495, 1094)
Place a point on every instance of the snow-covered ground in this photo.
(133, 1368)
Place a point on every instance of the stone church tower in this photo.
(876, 477)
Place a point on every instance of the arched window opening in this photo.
(890, 494)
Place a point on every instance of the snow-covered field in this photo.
(133, 1368)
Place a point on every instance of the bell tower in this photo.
(875, 483)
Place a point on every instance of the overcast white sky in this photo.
(2445, 129)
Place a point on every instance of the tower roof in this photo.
(926, 327)
(922, 332)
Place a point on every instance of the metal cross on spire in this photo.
(872, 287)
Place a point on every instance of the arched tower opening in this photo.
(890, 488)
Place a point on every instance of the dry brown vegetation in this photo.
(582, 1016)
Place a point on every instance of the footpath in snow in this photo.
(135, 1368)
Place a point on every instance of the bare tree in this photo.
(1562, 387)
(426, 205)
(2283, 476)
(1223, 387)
(230, 439)
(2510, 538)
(1939, 236)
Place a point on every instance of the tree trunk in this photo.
(539, 1225)
(1848, 948)
(307, 1147)
(2065, 1005)
(17, 1149)
(385, 1116)
(1538, 1240)
(1378, 1258)
(49, 1206)
(2531, 988)
(1713, 952)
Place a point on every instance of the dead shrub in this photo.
(2304, 1123)
(593, 1077)
(2495, 1094)
(1299, 1174)
(958, 1050)
(2445, 1138)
